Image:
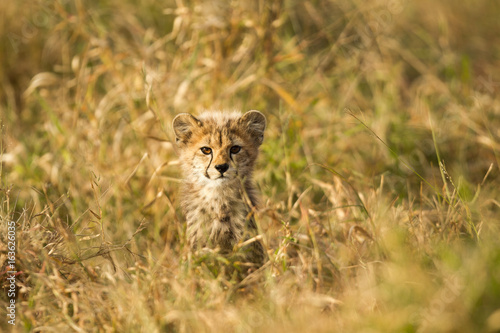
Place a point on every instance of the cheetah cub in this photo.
(217, 153)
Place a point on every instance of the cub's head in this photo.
(219, 147)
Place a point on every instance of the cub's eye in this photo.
(235, 149)
(206, 150)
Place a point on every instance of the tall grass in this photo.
(379, 171)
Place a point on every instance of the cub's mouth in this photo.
(222, 178)
(218, 177)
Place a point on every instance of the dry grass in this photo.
(379, 172)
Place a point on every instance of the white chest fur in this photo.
(215, 214)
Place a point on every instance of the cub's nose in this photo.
(222, 168)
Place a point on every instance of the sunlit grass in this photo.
(378, 173)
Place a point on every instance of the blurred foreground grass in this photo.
(379, 173)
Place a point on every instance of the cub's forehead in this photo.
(221, 129)
(221, 137)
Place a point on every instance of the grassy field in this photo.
(379, 173)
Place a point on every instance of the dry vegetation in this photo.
(379, 172)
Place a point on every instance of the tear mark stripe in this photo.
(209, 163)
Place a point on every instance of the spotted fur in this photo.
(217, 153)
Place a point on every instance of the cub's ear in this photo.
(184, 124)
(254, 122)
